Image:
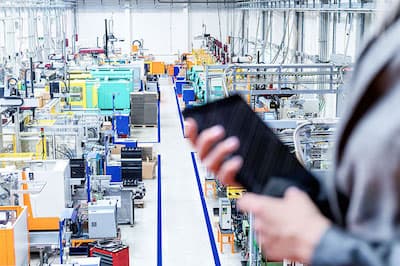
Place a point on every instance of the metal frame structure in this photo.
(291, 75)
(38, 4)
(309, 6)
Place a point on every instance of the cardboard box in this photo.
(147, 151)
(46, 95)
(117, 149)
(40, 102)
(148, 169)
(106, 126)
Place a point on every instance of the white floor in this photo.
(185, 239)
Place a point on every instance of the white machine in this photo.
(56, 195)
(225, 214)
(102, 216)
(14, 239)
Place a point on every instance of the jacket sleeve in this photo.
(339, 248)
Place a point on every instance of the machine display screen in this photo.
(3, 217)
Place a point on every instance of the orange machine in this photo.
(157, 68)
(14, 238)
(37, 223)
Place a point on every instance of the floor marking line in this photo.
(159, 215)
(159, 121)
(205, 212)
(179, 113)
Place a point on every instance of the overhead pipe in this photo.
(201, 2)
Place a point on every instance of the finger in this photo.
(297, 196)
(207, 139)
(191, 130)
(259, 226)
(217, 155)
(259, 204)
(229, 170)
(293, 192)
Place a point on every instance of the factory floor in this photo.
(179, 236)
(184, 236)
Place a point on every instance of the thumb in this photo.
(294, 193)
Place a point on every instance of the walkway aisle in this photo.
(185, 238)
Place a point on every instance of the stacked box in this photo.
(144, 108)
(150, 108)
(137, 108)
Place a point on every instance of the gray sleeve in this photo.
(339, 248)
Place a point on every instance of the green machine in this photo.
(113, 86)
(121, 89)
(113, 73)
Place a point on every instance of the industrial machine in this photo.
(49, 204)
(14, 237)
(8, 183)
(131, 166)
(122, 125)
(102, 217)
(225, 214)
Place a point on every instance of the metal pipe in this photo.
(106, 38)
(32, 73)
(200, 2)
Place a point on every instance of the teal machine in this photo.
(199, 85)
(197, 75)
(114, 86)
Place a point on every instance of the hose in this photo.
(296, 140)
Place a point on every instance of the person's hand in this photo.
(287, 228)
(213, 155)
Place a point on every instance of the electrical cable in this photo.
(296, 141)
(282, 42)
(349, 21)
(219, 23)
(257, 29)
(66, 155)
(289, 39)
(265, 41)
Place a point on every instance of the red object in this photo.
(76, 37)
(117, 256)
(91, 51)
(66, 42)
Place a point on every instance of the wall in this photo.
(164, 31)
(346, 30)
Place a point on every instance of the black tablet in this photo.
(268, 166)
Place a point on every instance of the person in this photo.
(364, 191)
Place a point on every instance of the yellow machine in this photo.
(234, 192)
(78, 88)
(14, 238)
(202, 57)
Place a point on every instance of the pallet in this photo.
(144, 126)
